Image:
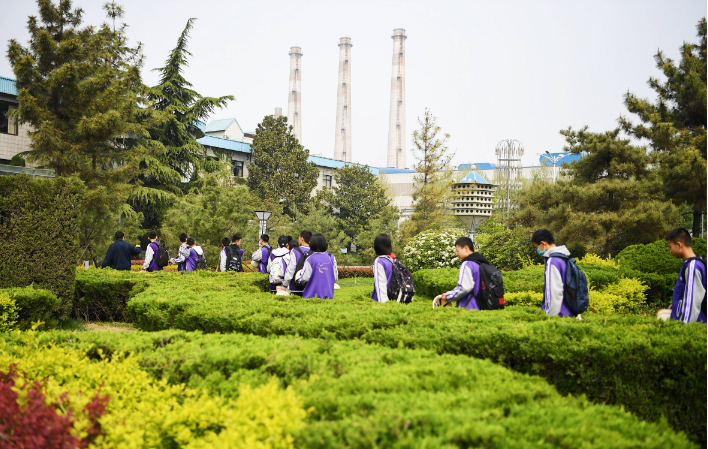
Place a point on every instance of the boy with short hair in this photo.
(182, 253)
(151, 253)
(296, 254)
(224, 254)
(555, 268)
(688, 305)
(468, 283)
(190, 262)
(262, 255)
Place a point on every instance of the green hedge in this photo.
(33, 305)
(364, 396)
(39, 234)
(655, 257)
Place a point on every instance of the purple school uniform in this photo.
(263, 263)
(467, 269)
(559, 264)
(689, 292)
(153, 263)
(305, 250)
(321, 282)
(191, 262)
(381, 283)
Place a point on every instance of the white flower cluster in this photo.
(432, 249)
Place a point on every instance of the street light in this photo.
(263, 217)
(554, 160)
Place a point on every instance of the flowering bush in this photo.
(432, 249)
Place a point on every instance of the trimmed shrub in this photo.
(363, 395)
(531, 299)
(8, 312)
(504, 248)
(655, 257)
(34, 305)
(432, 249)
(350, 272)
(39, 234)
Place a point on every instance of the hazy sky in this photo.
(487, 70)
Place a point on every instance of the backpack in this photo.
(201, 262)
(161, 258)
(267, 258)
(699, 258)
(300, 265)
(277, 268)
(491, 289)
(233, 259)
(575, 286)
(401, 286)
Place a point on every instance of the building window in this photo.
(327, 180)
(238, 169)
(7, 126)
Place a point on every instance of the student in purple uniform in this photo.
(690, 289)
(236, 246)
(262, 255)
(182, 253)
(465, 294)
(151, 253)
(223, 254)
(191, 261)
(319, 271)
(296, 253)
(383, 267)
(279, 264)
(553, 286)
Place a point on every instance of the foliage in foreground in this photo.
(359, 395)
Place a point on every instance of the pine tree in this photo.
(279, 172)
(676, 125)
(434, 178)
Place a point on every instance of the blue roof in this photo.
(547, 159)
(7, 86)
(200, 124)
(391, 170)
(477, 166)
(334, 163)
(225, 144)
(221, 125)
(474, 177)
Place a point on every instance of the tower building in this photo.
(343, 128)
(397, 113)
(295, 93)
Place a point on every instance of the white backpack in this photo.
(277, 269)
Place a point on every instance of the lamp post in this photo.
(263, 217)
(554, 160)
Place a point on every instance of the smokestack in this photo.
(343, 129)
(397, 115)
(278, 112)
(294, 97)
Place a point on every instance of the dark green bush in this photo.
(363, 396)
(33, 305)
(39, 234)
(504, 248)
(432, 282)
(655, 257)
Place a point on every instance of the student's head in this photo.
(318, 243)
(191, 242)
(265, 239)
(283, 241)
(225, 242)
(464, 247)
(382, 245)
(292, 244)
(289, 237)
(152, 235)
(183, 237)
(679, 241)
(236, 238)
(119, 235)
(543, 240)
(304, 238)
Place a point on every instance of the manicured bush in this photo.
(432, 249)
(504, 248)
(34, 305)
(350, 272)
(361, 395)
(39, 234)
(8, 312)
(655, 257)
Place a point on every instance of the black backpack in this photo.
(491, 289)
(401, 286)
(300, 265)
(233, 259)
(161, 258)
(201, 262)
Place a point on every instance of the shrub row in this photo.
(364, 396)
(350, 272)
(30, 305)
(649, 366)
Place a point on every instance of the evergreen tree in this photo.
(357, 199)
(279, 171)
(434, 179)
(676, 125)
(610, 196)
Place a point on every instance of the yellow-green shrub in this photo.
(144, 412)
(8, 312)
(623, 296)
(594, 259)
(524, 299)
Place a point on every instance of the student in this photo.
(468, 282)
(235, 247)
(279, 264)
(190, 262)
(182, 253)
(224, 254)
(201, 257)
(151, 253)
(319, 270)
(119, 253)
(383, 267)
(554, 273)
(690, 290)
(296, 253)
(262, 255)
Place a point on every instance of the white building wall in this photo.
(11, 144)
